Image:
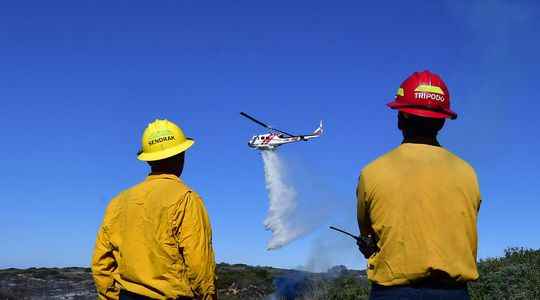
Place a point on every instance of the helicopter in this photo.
(276, 137)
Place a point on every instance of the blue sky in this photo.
(80, 80)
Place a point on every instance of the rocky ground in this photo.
(46, 283)
(516, 275)
(234, 282)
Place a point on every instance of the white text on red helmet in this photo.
(423, 95)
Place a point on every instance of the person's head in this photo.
(414, 126)
(171, 165)
(163, 147)
(423, 102)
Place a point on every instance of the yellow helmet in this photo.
(162, 139)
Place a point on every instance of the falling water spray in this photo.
(282, 196)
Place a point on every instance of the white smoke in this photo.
(282, 203)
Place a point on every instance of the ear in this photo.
(401, 121)
(441, 124)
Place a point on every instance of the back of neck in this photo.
(165, 172)
(428, 140)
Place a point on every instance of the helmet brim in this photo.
(423, 112)
(159, 155)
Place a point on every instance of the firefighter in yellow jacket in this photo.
(155, 241)
(420, 201)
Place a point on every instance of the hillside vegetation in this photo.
(516, 275)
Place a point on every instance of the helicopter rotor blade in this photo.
(255, 120)
(265, 125)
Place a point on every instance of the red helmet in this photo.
(424, 94)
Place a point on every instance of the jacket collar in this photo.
(162, 176)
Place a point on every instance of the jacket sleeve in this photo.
(104, 264)
(195, 241)
(362, 212)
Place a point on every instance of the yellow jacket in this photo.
(422, 202)
(155, 241)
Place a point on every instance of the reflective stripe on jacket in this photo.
(155, 241)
